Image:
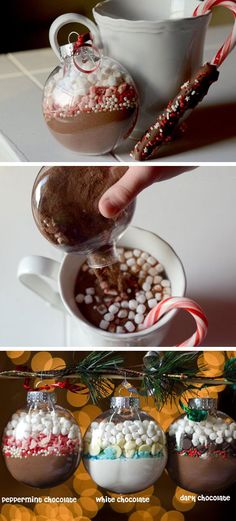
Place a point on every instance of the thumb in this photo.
(136, 179)
(119, 195)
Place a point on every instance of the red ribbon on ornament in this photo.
(74, 388)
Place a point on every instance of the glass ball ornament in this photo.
(65, 208)
(124, 448)
(41, 444)
(90, 102)
(202, 448)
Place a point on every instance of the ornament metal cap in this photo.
(125, 402)
(205, 404)
(41, 396)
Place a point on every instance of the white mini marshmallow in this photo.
(141, 298)
(146, 267)
(104, 324)
(133, 304)
(131, 262)
(123, 313)
(152, 271)
(148, 295)
(109, 317)
(159, 268)
(124, 304)
(90, 291)
(128, 254)
(165, 283)
(152, 261)
(120, 330)
(136, 253)
(139, 318)
(141, 309)
(123, 267)
(152, 303)
(79, 298)
(158, 296)
(129, 326)
(144, 255)
(102, 309)
(131, 315)
(113, 308)
(146, 286)
(149, 279)
(88, 299)
(140, 261)
(157, 279)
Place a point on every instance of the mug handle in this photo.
(69, 18)
(31, 273)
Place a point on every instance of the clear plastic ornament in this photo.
(202, 448)
(41, 444)
(90, 102)
(65, 208)
(124, 448)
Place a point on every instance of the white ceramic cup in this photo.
(33, 272)
(158, 41)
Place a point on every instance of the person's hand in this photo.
(132, 183)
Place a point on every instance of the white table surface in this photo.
(195, 213)
(211, 134)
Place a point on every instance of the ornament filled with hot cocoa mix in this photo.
(41, 444)
(202, 448)
(124, 448)
(65, 207)
(90, 102)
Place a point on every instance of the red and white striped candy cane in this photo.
(230, 43)
(181, 303)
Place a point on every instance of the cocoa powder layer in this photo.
(42, 471)
(202, 475)
(93, 133)
(65, 205)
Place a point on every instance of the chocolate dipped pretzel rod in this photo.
(190, 94)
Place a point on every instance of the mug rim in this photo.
(124, 336)
(141, 23)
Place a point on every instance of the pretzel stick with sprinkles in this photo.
(190, 94)
(181, 303)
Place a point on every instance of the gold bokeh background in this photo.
(164, 504)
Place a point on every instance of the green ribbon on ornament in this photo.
(196, 415)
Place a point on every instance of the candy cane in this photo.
(230, 43)
(181, 303)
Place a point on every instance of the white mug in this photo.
(158, 41)
(33, 270)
